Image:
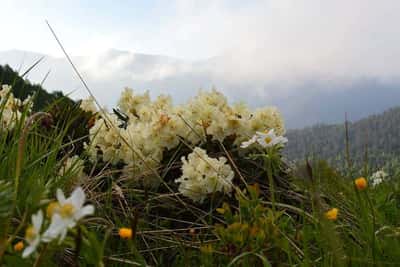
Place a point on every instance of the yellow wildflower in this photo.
(19, 246)
(125, 233)
(332, 214)
(361, 183)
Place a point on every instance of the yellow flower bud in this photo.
(125, 233)
(19, 246)
(361, 183)
(332, 214)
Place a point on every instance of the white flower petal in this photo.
(71, 224)
(28, 251)
(35, 242)
(63, 234)
(57, 225)
(32, 247)
(249, 142)
(78, 197)
(60, 196)
(37, 220)
(281, 140)
(85, 211)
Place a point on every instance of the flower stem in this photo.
(373, 227)
(268, 164)
(40, 257)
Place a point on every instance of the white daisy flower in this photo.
(268, 139)
(378, 177)
(32, 234)
(249, 142)
(66, 215)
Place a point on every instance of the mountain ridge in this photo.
(303, 101)
(374, 138)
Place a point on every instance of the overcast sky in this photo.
(290, 33)
(256, 44)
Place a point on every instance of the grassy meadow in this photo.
(199, 184)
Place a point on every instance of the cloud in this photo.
(302, 101)
(292, 38)
(254, 40)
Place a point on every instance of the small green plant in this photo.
(252, 235)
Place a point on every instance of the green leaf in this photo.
(6, 196)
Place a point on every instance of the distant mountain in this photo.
(375, 138)
(22, 88)
(67, 116)
(304, 100)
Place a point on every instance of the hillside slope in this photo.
(22, 88)
(375, 137)
(66, 113)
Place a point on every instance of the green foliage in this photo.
(23, 88)
(73, 122)
(6, 196)
(252, 234)
(67, 117)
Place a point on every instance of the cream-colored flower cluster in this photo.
(10, 107)
(105, 139)
(202, 175)
(156, 126)
(88, 105)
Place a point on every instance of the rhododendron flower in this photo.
(202, 175)
(155, 126)
(11, 107)
(88, 105)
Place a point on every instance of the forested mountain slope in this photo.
(375, 138)
(22, 88)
